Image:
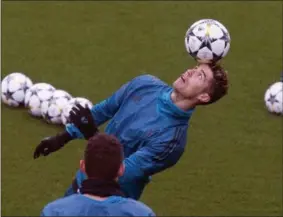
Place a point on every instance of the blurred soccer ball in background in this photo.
(36, 95)
(273, 98)
(14, 87)
(52, 109)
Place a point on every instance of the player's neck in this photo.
(181, 102)
(95, 197)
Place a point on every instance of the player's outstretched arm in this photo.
(102, 111)
(51, 144)
(79, 128)
(106, 109)
(81, 117)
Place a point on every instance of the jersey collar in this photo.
(166, 106)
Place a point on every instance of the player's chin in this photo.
(179, 85)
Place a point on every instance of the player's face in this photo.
(194, 83)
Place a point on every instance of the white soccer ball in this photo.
(207, 41)
(51, 110)
(14, 87)
(273, 98)
(36, 95)
(83, 101)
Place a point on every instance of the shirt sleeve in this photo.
(151, 213)
(155, 157)
(103, 111)
(147, 211)
(46, 212)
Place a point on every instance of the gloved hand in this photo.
(81, 117)
(52, 144)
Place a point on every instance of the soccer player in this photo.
(150, 119)
(100, 193)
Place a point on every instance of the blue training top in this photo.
(81, 205)
(152, 129)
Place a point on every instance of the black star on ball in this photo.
(33, 92)
(272, 99)
(205, 43)
(48, 117)
(8, 95)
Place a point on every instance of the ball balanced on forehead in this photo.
(207, 41)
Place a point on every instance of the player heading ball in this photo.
(149, 117)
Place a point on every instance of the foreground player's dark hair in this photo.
(219, 84)
(103, 157)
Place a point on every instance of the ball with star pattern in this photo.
(52, 109)
(13, 89)
(36, 95)
(273, 98)
(207, 41)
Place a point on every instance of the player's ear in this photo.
(121, 170)
(82, 166)
(204, 97)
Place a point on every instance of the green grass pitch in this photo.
(233, 161)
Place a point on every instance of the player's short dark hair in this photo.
(219, 84)
(103, 157)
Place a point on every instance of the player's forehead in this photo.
(205, 68)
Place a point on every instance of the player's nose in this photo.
(190, 73)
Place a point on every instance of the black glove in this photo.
(52, 144)
(81, 117)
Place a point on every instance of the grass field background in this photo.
(233, 160)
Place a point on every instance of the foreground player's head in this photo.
(204, 84)
(103, 158)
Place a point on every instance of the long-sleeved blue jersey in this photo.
(81, 205)
(152, 129)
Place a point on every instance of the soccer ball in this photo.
(65, 114)
(14, 87)
(52, 109)
(207, 41)
(36, 95)
(273, 98)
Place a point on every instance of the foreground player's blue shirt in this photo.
(152, 129)
(81, 205)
